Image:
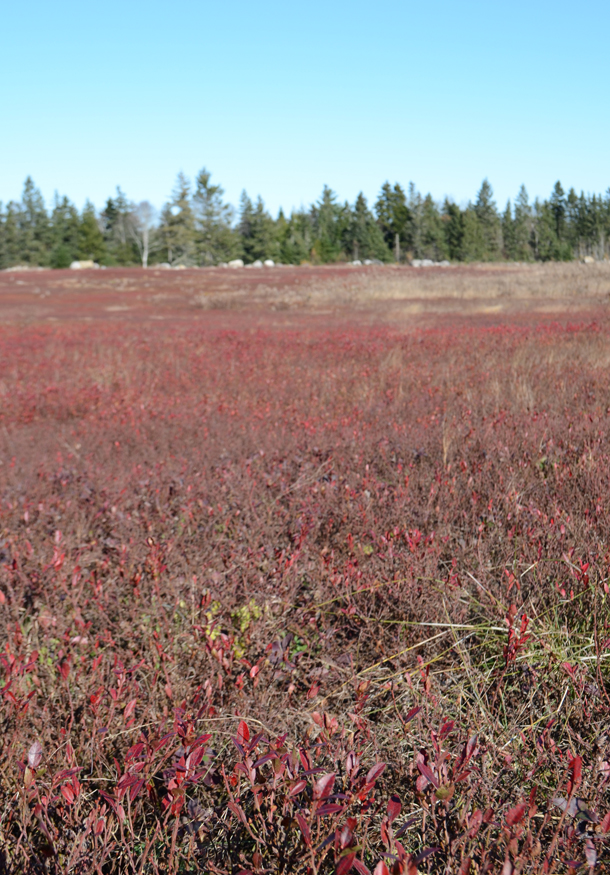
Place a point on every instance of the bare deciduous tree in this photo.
(141, 225)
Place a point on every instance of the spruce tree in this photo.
(433, 244)
(474, 242)
(394, 218)
(364, 238)
(215, 238)
(178, 224)
(329, 220)
(453, 228)
(11, 245)
(522, 228)
(557, 206)
(91, 245)
(65, 224)
(257, 231)
(296, 237)
(489, 223)
(35, 229)
(115, 223)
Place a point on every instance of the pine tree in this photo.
(394, 218)
(215, 239)
(178, 224)
(35, 229)
(11, 236)
(257, 231)
(296, 237)
(557, 206)
(330, 221)
(548, 246)
(363, 237)
(65, 224)
(474, 243)
(453, 228)
(433, 244)
(489, 223)
(522, 228)
(91, 246)
(115, 223)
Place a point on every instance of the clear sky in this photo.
(281, 98)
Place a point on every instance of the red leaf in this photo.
(515, 815)
(428, 774)
(345, 864)
(394, 808)
(243, 733)
(412, 713)
(381, 869)
(238, 812)
(475, 823)
(360, 867)
(375, 772)
(68, 793)
(590, 853)
(135, 789)
(576, 769)
(298, 788)
(304, 829)
(129, 708)
(324, 786)
(606, 823)
(35, 755)
(329, 808)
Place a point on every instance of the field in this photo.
(305, 570)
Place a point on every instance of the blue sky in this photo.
(281, 98)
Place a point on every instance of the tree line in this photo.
(196, 227)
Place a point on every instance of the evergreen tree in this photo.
(178, 225)
(65, 226)
(257, 231)
(11, 236)
(364, 238)
(91, 245)
(433, 244)
(522, 228)
(329, 220)
(489, 223)
(394, 218)
(296, 237)
(215, 238)
(35, 230)
(453, 227)
(115, 223)
(557, 206)
(474, 243)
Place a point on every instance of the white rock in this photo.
(257, 263)
(237, 262)
(269, 262)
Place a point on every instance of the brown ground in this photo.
(388, 293)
